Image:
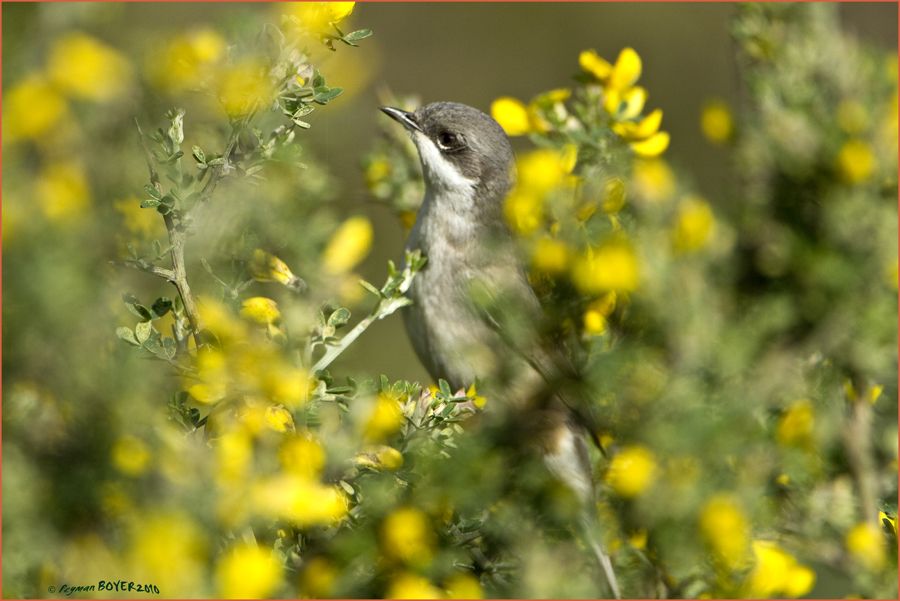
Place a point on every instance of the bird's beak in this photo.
(405, 119)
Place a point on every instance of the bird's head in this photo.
(462, 150)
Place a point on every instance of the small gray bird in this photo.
(469, 169)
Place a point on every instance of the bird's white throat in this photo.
(439, 172)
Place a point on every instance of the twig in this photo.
(857, 442)
(385, 307)
(178, 275)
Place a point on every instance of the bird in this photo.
(468, 166)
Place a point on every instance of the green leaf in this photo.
(199, 155)
(135, 306)
(142, 331)
(445, 388)
(339, 318)
(169, 347)
(161, 306)
(370, 288)
(127, 335)
(355, 36)
(150, 203)
(152, 192)
(324, 94)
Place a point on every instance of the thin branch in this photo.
(858, 444)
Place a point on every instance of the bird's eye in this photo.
(448, 141)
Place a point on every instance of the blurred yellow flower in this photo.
(187, 60)
(888, 521)
(694, 225)
(594, 322)
(32, 108)
(381, 457)
(85, 67)
(130, 455)
(512, 115)
(349, 245)
(168, 550)
(611, 266)
(261, 310)
(279, 419)
(248, 571)
(410, 586)
(852, 117)
(299, 500)
(653, 146)
(631, 471)
(724, 527)
(626, 71)
(243, 88)
(613, 195)
(218, 319)
(144, 223)
(385, 419)
(777, 573)
(865, 543)
(234, 453)
(795, 427)
(318, 17)
(286, 384)
(653, 179)
(318, 578)
(377, 171)
(639, 130)
(524, 211)
(477, 400)
(594, 64)
(623, 105)
(855, 161)
(265, 267)
(716, 121)
(542, 170)
(302, 455)
(464, 586)
(550, 256)
(407, 537)
(62, 191)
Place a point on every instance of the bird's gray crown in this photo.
(471, 140)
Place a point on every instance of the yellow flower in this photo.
(888, 521)
(62, 191)
(349, 245)
(852, 117)
(186, 61)
(613, 195)
(381, 457)
(550, 256)
(265, 267)
(640, 130)
(478, 400)
(631, 471)
(464, 586)
(716, 121)
(410, 586)
(725, 529)
(795, 428)
(248, 571)
(243, 88)
(623, 105)
(319, 576)
(32, 109)
(855, 161)
(611, 266)
(591, 62)
(219, 320)
(302, 455)
(130, 455)
(866, 545)
(84, 67)
(694, 225)
(653, 146)
(279, 419)
(318, 17)
(594, 322)
(407, 537)
(524, 211)
(777, 573)
(385, 419)
(168, 550)
(261, 310)
(286, 384)
(653, 179)
(543, 169)
(512, 116)
(626, 71)
(299, 500)
(234, 453)
(377, 171)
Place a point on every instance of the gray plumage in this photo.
(468, 167)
